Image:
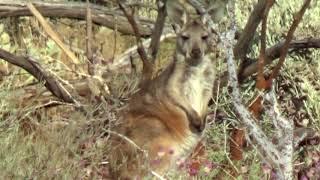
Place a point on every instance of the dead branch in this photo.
(89, 39)
(260, 82)
(237, 137)
(259, 136)
(243, 43)
(248, 120)
(158, 29)
(131, 53)
(32, 91)
(100, 15)
(274, 52)
(296, 20)
(35, 69)
(251, 125)
(284, 130)
(278, 154)
(147, 65)
(52, 34)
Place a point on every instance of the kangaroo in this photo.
(166, 117)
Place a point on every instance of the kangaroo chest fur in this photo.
(197, 88)
(192, 85)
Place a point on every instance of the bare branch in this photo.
(35, 69)
(251, 125)
(89, 39)
(261, 84)
(296, 20)
(279, 153)
(158, 29)
(243, 43)
(52, 34)
(131, 53)
(284, 130)
(100, 15)
(147, 65)
(274, 52)
(237, 137)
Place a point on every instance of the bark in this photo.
(100, 16)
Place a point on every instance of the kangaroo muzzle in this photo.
(196, 53)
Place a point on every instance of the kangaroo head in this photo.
(193, 39)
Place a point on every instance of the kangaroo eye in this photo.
(185, 38)
(205, 37)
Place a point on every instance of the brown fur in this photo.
(166, 117)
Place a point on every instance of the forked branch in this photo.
(35, 69)
(260, 82)
(278, 154)
(158, 29)
(147, 65)
(243, 43)
(100, 16)
(284, 51)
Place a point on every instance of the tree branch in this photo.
(35, 69)
(100, 16)
(147, 65)
(52, 34)
(131, 53)
(274, 52)
(260, 82)
(296, 20)
(89, 39)
(246, 117)
(243, 43)
(158, 29)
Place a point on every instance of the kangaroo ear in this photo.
(204, 19)
(176, 14)
(184, 18)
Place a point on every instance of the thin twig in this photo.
(115, 33)
(158, 29)
(53, 35)
(100, 15)
(274, 52)
(248, 120)
(285, 137)
(35, 69)
(296, 20)
(262, 56)
(147, 65)
(242, 45)
(89, 39)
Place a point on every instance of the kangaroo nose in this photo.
(196, 52)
